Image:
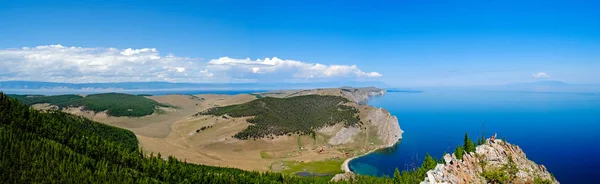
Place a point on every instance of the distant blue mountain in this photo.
(403, 90)
(551, 86)
(32, 85)
(546, 86)
(541, 83)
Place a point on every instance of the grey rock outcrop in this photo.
(361, 95)
(386, 125)
(344, 135)
(388, 129)
(343, 177)
(493, 162)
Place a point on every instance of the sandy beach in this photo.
(345, 166)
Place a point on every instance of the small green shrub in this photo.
(495, 176)
(538, 180)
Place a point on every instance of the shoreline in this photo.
(345, 166)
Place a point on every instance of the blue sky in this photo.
(402, 43)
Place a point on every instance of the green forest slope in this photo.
(280, 116)
(116, 104)
(61, 148)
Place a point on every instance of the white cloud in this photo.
(79, 64)
(270, 67)
(541, 75)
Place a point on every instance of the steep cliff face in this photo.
(361, 95)
(493, 162)
(356, 95)
(388, 129)
(384, 125)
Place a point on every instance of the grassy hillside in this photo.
(116, 104)
(280, 116)
(56, 147)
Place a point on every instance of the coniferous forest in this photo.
(115, 104)
(56, 147)
(280, 116)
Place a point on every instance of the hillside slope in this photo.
(281, 116)
(312, 136)
(57, 147)
(283, 130)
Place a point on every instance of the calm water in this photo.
(558, 130)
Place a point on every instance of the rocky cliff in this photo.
(382, 123)
(378, 120)
(357, 95)
(388, 129)
(495, 161)
(361, 95)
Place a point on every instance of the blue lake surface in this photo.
(558, 130)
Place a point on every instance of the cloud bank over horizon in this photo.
(57, 63)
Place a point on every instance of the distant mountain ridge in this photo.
(544, 86)
(541, 83)
(552, 86)
(169, 85)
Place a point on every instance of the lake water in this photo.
(558, 130)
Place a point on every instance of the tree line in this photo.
(115, 104)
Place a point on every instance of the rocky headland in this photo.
(495, 161)
(182, 131)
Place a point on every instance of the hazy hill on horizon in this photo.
(37, 87)
(194, 86)
(543, 86)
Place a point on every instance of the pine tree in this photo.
(459, 152)
(429, 162)
(469, 146)
(397, 176)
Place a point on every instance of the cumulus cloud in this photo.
(272, 67)
(541, 75)
(79, 64)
